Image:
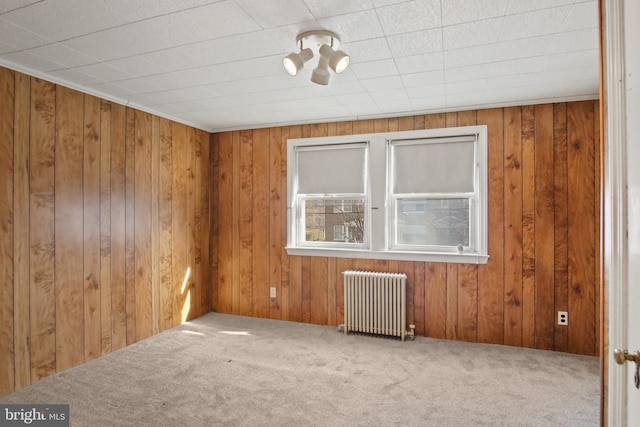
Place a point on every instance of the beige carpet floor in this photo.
(224, 370)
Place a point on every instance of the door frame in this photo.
(614, 381)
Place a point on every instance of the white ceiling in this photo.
(217, 65)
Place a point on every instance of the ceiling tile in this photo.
(137, 66)
(516, 66)
(354, 26)
(367, 50)
(426, 78)
(33, 62)
(327, 8)
(220, 19)
(368, 70)
(383, 96)
(471, 72)
(522, 48)
(574, 40)
(58, 52)
(469, 99)
(105, 72)
(75, 76)
(420, 63)
(144, 9)
(9, 5)
(82, 17)
(18, 37)
(514, 7)
(366, 109)
(410, 16)
(139, 85)
(429, 103)
(471, 33)
(469, 56)
(581, 16)
(426, 91)
(415, 43)
(275, 13)
(536, 23)
(460, 11)
(382, 83)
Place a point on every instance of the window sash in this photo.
(301, 203)
(395, 225)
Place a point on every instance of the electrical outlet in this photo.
(563, 318)
(272, 292)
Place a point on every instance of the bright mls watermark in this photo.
(34, 415)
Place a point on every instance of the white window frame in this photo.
(379, 204)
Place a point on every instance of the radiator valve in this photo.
(411, 332)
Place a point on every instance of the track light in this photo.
(338, 60)
(294, 62)
(321, 74)
(324, 44)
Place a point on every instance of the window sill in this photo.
(390, 255)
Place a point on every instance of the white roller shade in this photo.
(331, 169)
(439, 165)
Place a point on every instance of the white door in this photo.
(622, 203)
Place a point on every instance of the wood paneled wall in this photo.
(544, 216)
(104, 222)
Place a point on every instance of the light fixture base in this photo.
(314, 39)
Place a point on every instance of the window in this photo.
(416, 195)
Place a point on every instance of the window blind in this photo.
(331, 169)
(438, 165)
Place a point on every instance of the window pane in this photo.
(334, 220)
(433, 222)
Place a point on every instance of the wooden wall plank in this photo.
(130, 212)
(191, 292)
(544, 236)
(314, 284)
(261, 220)
(244, 287)
(528, 226)
(419, 293)
(284, 258)
(214, 219)
(225, 255)
(491, 284)
(69, 298)
(21, 191)
(581, 256)
(197, 224)
(42, 302)
(513, 193)
(179, 221)
(155, 224)
(275, 221)
(295, 262)
(7, 284)
(105, 227)
(236, 218)
(436, 300)
(166, 291)
(142, 224)
(206, 282)
(560, 220)
(118, 228)
(452, 302)
(91, 228)
(468, 302)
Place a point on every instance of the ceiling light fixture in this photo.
(324, 44)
